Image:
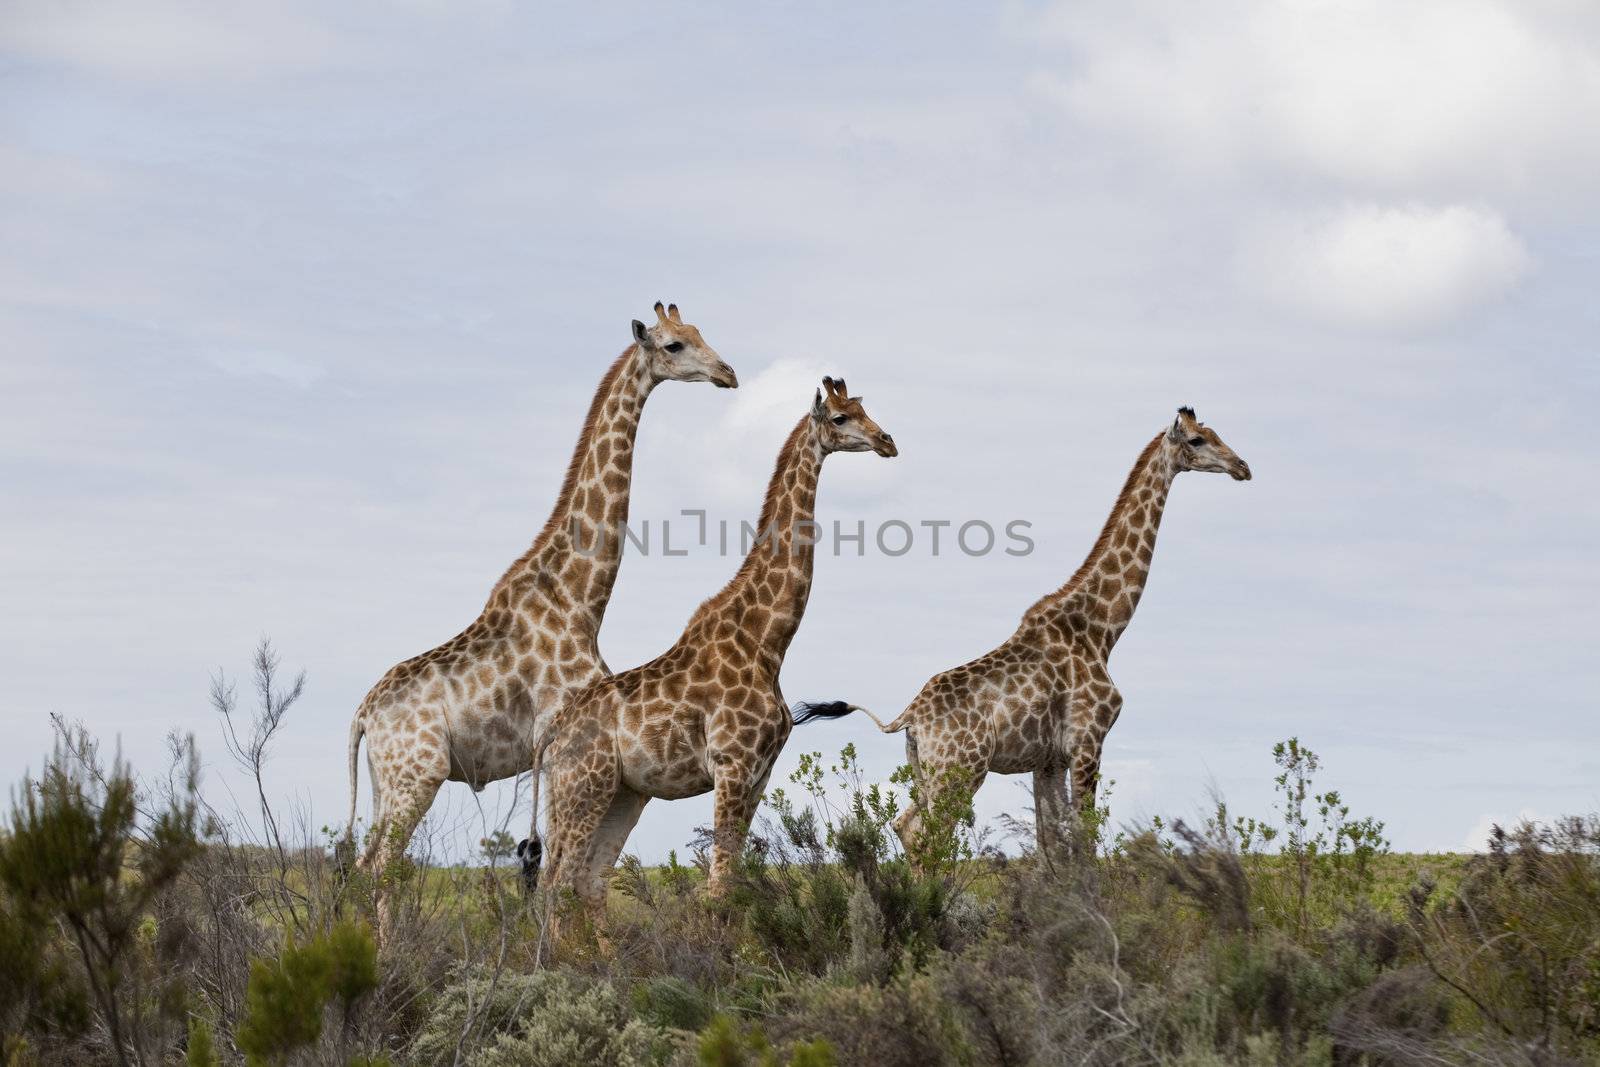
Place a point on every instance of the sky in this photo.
(301, 306)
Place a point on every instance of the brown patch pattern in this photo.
(707, 715)
(471, 709)
(1043, 701)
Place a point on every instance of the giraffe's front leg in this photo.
(738, 793)
(1050, 806)
(1086, 772)
(570, 842)
(1093, 717)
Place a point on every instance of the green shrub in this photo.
(1326, 859)
(1270, 985)
(201, 1051)
(542, 1019)
(80, 860)
(287, 997)
(671, 1004)
(39, 991)
(724, 1044)
(828, 877)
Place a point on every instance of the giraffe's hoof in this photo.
(530, 851)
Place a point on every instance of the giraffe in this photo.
(1043, 700)
(706, 715)
(470, 710)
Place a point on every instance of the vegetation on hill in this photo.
(140, 926)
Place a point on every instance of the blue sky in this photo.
(300, 310)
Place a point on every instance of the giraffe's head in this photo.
(678, 353)
(1198, 448)
(843, 425)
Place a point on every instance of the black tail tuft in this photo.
(530, 851)
(804, 713)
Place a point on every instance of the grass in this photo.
(1394, 876)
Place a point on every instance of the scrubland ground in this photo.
(138, 925)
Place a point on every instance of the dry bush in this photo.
(1519, 940)
(663, 927)
(138, 924)
(136, 920)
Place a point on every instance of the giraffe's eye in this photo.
(674, 346)
(1197, 441)
(840, 420)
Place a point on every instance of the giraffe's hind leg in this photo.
(369, 849)
(406, 798)
(908, 824)
(611, 835)
(946, 780)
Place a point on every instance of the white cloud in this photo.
(169, 39)
(776, 395)
(1012, 312)
(1479, 95)
(1377, 266)
(264, 364)
(764, 408)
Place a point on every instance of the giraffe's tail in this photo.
(530, 850)
(804, 713)
(358, 727)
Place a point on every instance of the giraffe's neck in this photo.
(573, 563)
(1105, 590)
(769, 592)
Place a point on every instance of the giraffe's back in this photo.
(475, 704)
(996, 712)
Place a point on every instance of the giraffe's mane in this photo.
(769, 504)
(569, 482)
(791, 445)
(1124, 500)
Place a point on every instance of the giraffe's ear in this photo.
(819, 410)
(639, 333)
